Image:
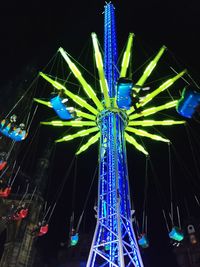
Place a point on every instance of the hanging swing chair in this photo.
(143, 241)
(189, 102)
(61, 109)
(176, 234)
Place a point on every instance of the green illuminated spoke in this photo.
(157, 91)
(99, 63)
(78, 134)
(150, 67)
(126, 56)
(87, 88)
(69, 123)
(85, 115)
(90, 142)
(153, 110)
(146, 123)
(161, 88)
(74, 97)
(132, 141)
(45, 103)
(146, 134)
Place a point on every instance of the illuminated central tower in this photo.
(114, 242)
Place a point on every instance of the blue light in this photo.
(124, 89)
(176, 234)
(189, 102)
(143, 241)
(60, 108)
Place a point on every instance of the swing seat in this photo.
(124, 90)
(74, 240)
(16, 134)
(2, 164)
(60, 108)
(4, 193)
(176, 234)
(43, 230)
(143, 241)
(20, 215)
(188, 103)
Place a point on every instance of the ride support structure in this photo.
(114, 242)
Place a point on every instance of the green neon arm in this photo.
(45, 103)
(69, 123)
(126, 56)
(132, 141)
(74, 97)
(90, 142)
(78, 134)
(99, 63)
(87, 88)
(147, 123)
(153, 110)
(157, 91)
(85, 115)
(161, 88)
(146, 134)
(150, 67)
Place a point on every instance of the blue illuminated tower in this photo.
(114, 242)
(111, 120)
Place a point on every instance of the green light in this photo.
(161, 88)
(126, 56)
(78, 134)
(70, 123)
(45, 103)
(150, 67)
(153, 110)
(146, 134)
(152, 123)
(87, 88)
(90, 142)
(84, 115)
(99, 63)
(132, 141)
(74, 97)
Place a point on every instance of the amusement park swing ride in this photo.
(122, 113)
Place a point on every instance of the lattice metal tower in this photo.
(114, 242)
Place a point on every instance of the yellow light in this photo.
(78, 134)
(161, 88)
(87, 88)
(90, 142)
(126, 56)
(153, 110)
(74, 97)
(147, 123)
(150, 67)
(132, 141)
(70, 123)
(146, 134)
(99, 64)
(45, 103)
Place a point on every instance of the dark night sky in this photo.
(31, 33)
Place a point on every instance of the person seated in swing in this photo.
(40, 229)
(20, 213)
(5, 191)
(9, 124)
